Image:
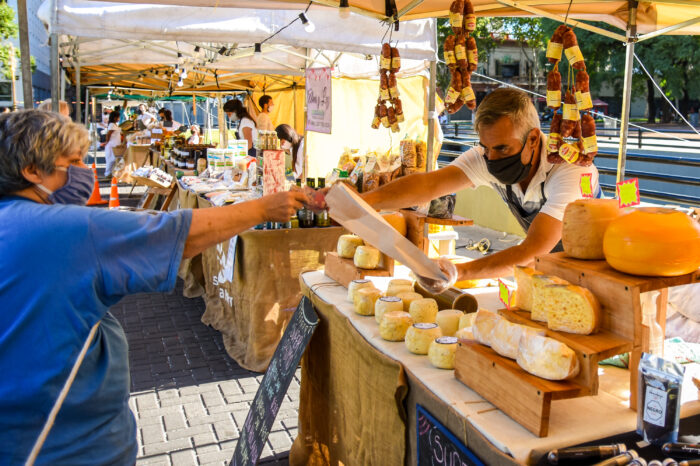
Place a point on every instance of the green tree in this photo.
(8, 30)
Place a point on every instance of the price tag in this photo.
(628, 193)
(586, 185)
(505, 294)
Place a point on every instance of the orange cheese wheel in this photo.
(653, 241)
(396, 220)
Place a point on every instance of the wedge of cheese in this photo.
(347, 244)
(523, 280)
(505, 337)
(539, 311)
(546, 357)
(571, 309)
(484, 323)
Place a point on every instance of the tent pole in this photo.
(223, 133)
(627, 89)
(25, 62)
(78, 109)
(87, 105)
(55, 73)
(430, 155)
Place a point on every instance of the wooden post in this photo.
(12, 78)
(78, 108)
(25, 60)
(55, 74)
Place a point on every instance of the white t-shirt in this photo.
(562, 182)
(116, 137)
(248, 123)
(299, 166)
(194, 139)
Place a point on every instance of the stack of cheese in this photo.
(364, 257)
(563, 306)
(535, 353)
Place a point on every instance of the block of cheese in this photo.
(398, 289)
(420, 336)
(448, 320)
(442, 352)
(347, 244)
(539, 311)
(408, 297)
(505, 337)
(394, 325)
(466, 320)
(523, 280)
(423, 310)
(367, 257)
(465, 333)
(386, 304)
(357, 285)
(571, 309)
(546, 357)
(584, 225)
(365, 299)
(484, 323)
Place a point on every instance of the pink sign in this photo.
(273, 171)
(318, 100)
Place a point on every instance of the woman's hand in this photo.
(280, 207)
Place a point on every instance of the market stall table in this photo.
(138, 154)
(359, 395)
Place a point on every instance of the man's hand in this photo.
(280, 207)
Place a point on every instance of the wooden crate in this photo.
(416, 226)
(344, 270)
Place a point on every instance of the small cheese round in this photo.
(420, 336)
(442, 352)
(448, 320)
(365, 299)
(465, 333)
(466, 320)
(408, 297)
(366, 257)
(423, 310)
(356, 285)
(347, 244)
(400, 282)
(386, 304)
(394, 325)
(398, 289)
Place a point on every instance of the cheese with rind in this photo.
(423, 310)
(524, 292)
(442, 352)
(506, 337)
(448, 320)
(386, 304)
(484, 323)
(465, 333)
(347, 244)
(394, 325)
(419, 337)
(546, 357)
(408, 297)
(571, 309)
(358, 285)
(364, 301)
(539, 309)
(367, 257)
(466, 320)
(584, 225)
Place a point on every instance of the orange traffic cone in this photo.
(95, 198)
(114, 195)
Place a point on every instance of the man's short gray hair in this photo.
(35, 138)
(510, 102)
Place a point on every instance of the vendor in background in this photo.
(194, 137)
(113, 138)
(54, 296)
(161, 115)
(291, 141)
(264, 121)
(511, 159)
(247, 128)
(63, 107)
(145, 116)
(168, 121)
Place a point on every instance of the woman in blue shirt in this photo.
(63, 265)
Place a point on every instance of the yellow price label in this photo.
(586, 185)
(628, 193)
(504, 294)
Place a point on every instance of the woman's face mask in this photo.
(78, 187)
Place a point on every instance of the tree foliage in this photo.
(8, 30)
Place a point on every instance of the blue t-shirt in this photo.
(61, 268)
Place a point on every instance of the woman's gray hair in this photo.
(35, 138)
(510, 102)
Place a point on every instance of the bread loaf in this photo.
(420, 336)
(394, 325)
(539, 311)
(386, 304)
(448, 320)
(365, 299)
(356, 285)
(584, 225)
(484, 323)
(366, 257)
(505, 337)
(442, 352)
(408, 297)
(423, 310)
(546, 357)
(347, 244)
(465, 333)
(571, 309)
(524, 292)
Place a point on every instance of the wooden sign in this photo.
(437, 445)
(628, 193)
(586, 185)
(274, 385)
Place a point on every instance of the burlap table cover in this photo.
(138, 154)
(252, 286)
(351, 401)
(190, 270)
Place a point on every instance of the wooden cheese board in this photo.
(344, 270)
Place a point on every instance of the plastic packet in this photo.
(659, 399)
(438, 286)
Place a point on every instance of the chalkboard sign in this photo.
(274, 385)
(437, 445)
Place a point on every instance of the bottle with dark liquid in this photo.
(306, 216)
(322, 218)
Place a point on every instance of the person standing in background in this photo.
(194, 137)
(247, 129)
(168, 121)
(114, 138)
(264, 121)
(291, 141)
(693, 117)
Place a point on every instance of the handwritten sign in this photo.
(586, 185)
(274, 385)
(318, 100)
(505, 294)
(438, 446)
(628, 192)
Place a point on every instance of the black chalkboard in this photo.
(438, 446)
(274, 385)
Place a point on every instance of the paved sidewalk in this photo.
(189, 398)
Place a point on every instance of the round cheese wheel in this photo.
(347, 244)
(448, 320)
(653, 242)
(442, 352)
(465, 333)
(466, 320)
(366, 257)
(386, 304)
(420, 336)
(394, 325)
(365, 299)
(357, 285)
(584, 225)
(396, 220)
(423, 310)
(408, 297)
(395, 290)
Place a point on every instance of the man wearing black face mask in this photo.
(512, 159)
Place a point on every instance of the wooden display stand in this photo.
(344, 270)
(416, 226)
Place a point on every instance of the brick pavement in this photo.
(189, 397)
